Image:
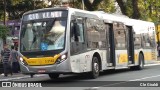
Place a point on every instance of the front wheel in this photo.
(95, 68)
(53, 76)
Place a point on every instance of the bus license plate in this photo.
(41, 71)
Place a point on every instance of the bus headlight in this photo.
(22, 61)
(61, 58)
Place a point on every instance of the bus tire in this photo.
(141, 62)
(95, 68)
(53, 75)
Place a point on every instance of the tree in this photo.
(138, 9)
(129, 8)
(136, 14)
(3, 32)
(107, 6)
(16, 8)
(91, 6)
(122, 6)
(54, 2)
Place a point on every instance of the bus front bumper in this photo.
(63, 67)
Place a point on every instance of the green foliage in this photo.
(55, 2)
(129, 7)
(107, 6)
(16, 8)
(3, 31)
(147, 9)
(15, 2)
(91, 6)
(77, 4)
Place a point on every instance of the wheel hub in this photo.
(96, 67)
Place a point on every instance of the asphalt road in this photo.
(120, 79)
(109, 80)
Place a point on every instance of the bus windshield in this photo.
(42, 35)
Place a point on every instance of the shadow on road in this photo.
(78, 80)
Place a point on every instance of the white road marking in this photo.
(125, 82)
(94, 88)
(145, 78)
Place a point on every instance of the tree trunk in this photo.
(122, 6)
(92, 6)
(136, 13)
(88, 5)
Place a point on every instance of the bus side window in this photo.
(74, 32)
(77, 32)
(77, 36)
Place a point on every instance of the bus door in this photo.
(120, 44)
(110, 45)
(130, 44)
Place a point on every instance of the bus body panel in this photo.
(63, 67)
(82, 62)
(121, 58)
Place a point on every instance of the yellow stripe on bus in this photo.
(149, 56)
(41, 61)
(136, 57)
(123, 58)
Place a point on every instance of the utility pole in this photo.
(83, 4)
(33, 4)
(73, 4)
(157, 24)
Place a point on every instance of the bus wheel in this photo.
(95, 68)
(141, 63)
(53, 76)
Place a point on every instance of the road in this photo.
(120, 79)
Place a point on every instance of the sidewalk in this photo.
(17, 76)
(14, 76)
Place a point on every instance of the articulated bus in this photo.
(65, 40)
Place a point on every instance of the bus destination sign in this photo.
(44, 15)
